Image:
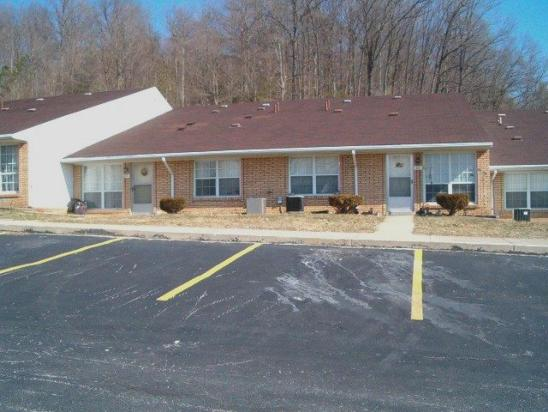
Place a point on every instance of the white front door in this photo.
(141, 187)
(400, 183)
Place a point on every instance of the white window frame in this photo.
(528, 189)
(314, 174)
(217, 178)
(102, 188)
(16, 173)
(449, 184)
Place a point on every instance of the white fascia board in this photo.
(517, 168)
(287, 151)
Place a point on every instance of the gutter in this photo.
(171, 177)
(355, 172)
(288, 150)
(516, 168)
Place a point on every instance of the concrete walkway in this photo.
(395, 232)
(396, 227)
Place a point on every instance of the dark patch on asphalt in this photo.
(284, 327)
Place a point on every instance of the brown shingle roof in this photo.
(299, 124)
(532, 127)
(18, 117)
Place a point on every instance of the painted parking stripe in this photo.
(187, 285)
(59, 256)
(416, 293)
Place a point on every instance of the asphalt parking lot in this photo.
(279, 328)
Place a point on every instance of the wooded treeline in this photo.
(243, 50)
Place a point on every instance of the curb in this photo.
(298, 239)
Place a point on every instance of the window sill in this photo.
(217, 198)
(7, 195)
(311, 195)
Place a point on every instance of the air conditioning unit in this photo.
(294, 203)
(522, 215)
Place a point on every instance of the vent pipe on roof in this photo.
(327, 105)
(508, 126)
(500, 116)
(32, 109)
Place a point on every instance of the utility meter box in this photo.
(256, 205)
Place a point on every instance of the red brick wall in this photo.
(21, 198)
(269, 177)
(483, 189)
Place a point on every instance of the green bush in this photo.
(452, 203)
(172, 205)
(346, 203)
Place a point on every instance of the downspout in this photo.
(493, 194)
(355, 172)
(171, 177)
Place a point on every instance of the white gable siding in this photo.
(50, 182)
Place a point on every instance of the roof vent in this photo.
(215, 111)
(509, 126)
(248, 116)
(337, 111)
(397, 97)
(181, 128)
(235, 125)
(393, 114)
(261, 108)
(265, 104)
(347, 101)
(88, 93)
(40, 99)
(191, 123)
(32, 109)
(224, 106)
(4, 109)
(517, 138)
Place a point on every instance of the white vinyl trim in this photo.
(287, 150)
(517, 168)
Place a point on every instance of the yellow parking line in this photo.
(62, 255)
(416, 295)
(180, 289)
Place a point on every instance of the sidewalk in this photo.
(394, 232)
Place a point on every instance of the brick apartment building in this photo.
(397, 152)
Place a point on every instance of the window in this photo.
(314, 175)
(102, 186)
(515, 190)
(449, 173)
(9, 168)
(526, 190)
(220, 178)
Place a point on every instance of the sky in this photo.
(529, 17)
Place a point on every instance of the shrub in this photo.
(172, 205)
(452, 203)
(346, 203)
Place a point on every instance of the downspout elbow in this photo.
(171, 177)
